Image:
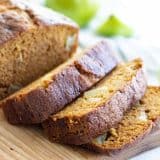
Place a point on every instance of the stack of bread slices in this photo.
(81, 98)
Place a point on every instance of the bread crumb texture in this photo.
(100, 94)
(33, 41)
(135, 123)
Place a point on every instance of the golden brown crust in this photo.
(82, 129)
(12, 24)
(18, 16)
(36, 105)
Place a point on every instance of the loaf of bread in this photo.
(49, 94)
(100, 108)
(136, 124)
(33, 41)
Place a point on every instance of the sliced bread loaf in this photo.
(100, 108)
(33, 40)
(136, 124)
(49, 94)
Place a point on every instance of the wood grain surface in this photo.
(29, 143)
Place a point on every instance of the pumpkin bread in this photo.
(49, 94)
(100, 108)
(141, 120)
(33, 41)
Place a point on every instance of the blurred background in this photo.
(132, 27)
(141, 15)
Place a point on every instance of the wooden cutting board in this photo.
(29, 143)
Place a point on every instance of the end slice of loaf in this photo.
(33, 41)
(136, 124)
(49, 94)
(100, 108)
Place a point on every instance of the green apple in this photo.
(114, 27)
(82, 11)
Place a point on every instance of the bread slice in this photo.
(33, 41)
(136, 124)
(49, 94)
(100, 108)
